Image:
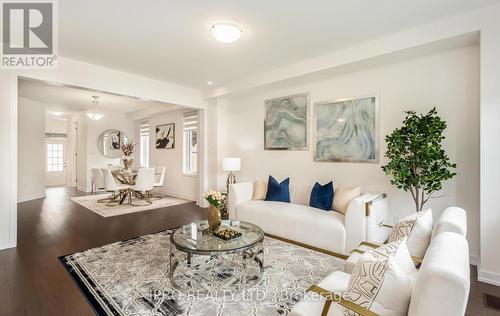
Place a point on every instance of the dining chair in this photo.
(110, 185)
(144, 184)
(97, 180)
(159, 180)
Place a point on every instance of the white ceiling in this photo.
(71, 100)
(169, 40)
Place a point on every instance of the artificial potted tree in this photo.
(417, 160)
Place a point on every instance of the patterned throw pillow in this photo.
(379, 284)
(418, 228)
(399, 250)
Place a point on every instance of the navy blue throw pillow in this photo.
(278, 192)
(322, 196)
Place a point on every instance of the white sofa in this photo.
(296, 221)
(442, 282)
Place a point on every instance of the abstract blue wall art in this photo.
(286, 123)
(347, 130)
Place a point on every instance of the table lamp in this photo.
(231, 165)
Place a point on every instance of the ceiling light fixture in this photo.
(57, 113)
(210, 83)
(94, 115)
(226, 32)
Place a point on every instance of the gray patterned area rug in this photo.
(131, 278)
(90, 202)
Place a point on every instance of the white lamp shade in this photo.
(231, 164)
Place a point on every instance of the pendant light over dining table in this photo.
(94, 114)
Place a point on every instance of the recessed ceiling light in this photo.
(57, 113)
(226, 32)
(210, 83)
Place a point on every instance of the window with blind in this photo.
(190, 142)
(144, 144)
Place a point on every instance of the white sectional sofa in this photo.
(442, 283)
(296, 221)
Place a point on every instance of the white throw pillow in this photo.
(418, 228)
(379, 284)
(399, 250)
(343, 196)
(259, 190)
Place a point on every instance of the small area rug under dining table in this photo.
(90, 202)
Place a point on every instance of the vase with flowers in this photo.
(128, 151)
(215, 200)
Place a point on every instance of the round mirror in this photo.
(110, 142)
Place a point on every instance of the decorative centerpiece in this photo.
(227, 234)
(128, 151)
(216, 200)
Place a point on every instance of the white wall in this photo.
(489, 270)
(72, 162)
(176, 183)
(8, 167)
(31, 150)
(448, 80)
(53, 125)
(81, 149)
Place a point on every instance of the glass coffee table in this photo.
(202, 262)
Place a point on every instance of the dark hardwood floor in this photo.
(33, 282)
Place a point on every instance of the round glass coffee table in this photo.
(202, 262)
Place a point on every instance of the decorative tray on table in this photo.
(227, 234)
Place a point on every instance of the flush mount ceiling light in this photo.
(226, 32)
(94, 115)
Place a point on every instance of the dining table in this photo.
(128, 177)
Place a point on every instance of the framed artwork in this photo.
(165, 136)
(115, 140)
(286, 124)
(346, 130)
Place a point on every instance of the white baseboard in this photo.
(5, 245)
(474, 260)
(177, 195)
(83, 189)
(31, 197)
(488, 277)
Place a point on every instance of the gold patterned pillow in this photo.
(417, 228)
